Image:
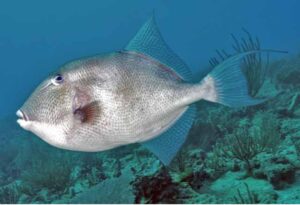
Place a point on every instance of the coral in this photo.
(212, 123)
(92, 168)
(53, 174)
(277, 169)
(188, 158)
(215, 163)
(95, 176)
(250, 198)
(142, 162)
(245, 143)
(289, 79)
(226, 189)
(290, 195)
(178, 162)
(9, 194)
(158, 188)
(295, 139)
(286, 72)
(223, 119)
(115, 190)
(242, 155)
(297, 145)
(197, 180)
(188, 195)
(243, 147)
(202, 199)
(290, 127)
(266, 131)
(208, 128)
(292, 110)
(281, 175)
(253, 67)
(294, 103)
(8, 153)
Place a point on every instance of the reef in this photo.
(245, 155)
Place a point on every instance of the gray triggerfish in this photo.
(141, 94)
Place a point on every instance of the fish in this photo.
(143, 94)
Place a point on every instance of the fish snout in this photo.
(22, 115)
(23, 120)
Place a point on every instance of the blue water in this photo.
(37, 37)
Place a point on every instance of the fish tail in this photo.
(226, 83)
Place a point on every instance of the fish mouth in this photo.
(23, 120)
(22, 115)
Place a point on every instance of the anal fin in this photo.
(166, 145)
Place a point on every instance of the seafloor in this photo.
(246, 155)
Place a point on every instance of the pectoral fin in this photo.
(84, 110)
(88, 113)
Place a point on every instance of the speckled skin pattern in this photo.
(130, 98)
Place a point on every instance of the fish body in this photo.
(139, 95)
(131, 97)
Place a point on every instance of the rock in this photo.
(289, 78)
(79, 186)
(142, 162)
(197, 180)
(289, 150)
(279, 168)
(203, 199)
(10, 194)
(157, 188)
(276, 169)
(297, 112)
(75, 174)
(114, 190)
(281, 175)
(267, 90)
(24, 199)
(228, 186)
(291, 194)
(290, 127)
(44, 194)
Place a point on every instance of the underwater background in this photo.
(245, 155)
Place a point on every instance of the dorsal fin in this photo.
(149, 41)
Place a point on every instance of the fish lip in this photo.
(22, 115)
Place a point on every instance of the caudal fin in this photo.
(227, 84)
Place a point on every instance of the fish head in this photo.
(48, 112)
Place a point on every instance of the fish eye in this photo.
(57, 80)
